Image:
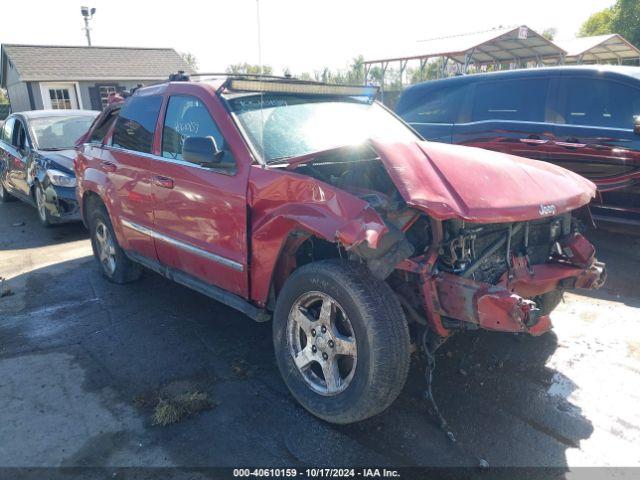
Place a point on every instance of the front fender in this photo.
(282, 203)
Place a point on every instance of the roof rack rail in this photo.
(273, 83)
(245, 75)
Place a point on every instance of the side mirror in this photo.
(202, 151)
(636, 124)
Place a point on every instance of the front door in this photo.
(59, 96)
(508, 116)
(199, 213)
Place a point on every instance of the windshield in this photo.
(53, 133)
(292, 125)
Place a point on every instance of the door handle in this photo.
(108, 166)
(571, 143)
(534, 141)
(164, 182)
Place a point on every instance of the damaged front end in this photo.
(458, 255)
(501, 277)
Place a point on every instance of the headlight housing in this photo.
(61, 179)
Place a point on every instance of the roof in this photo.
(599, 48)
(498, 45)
(57, 113)
(52, 63)
(616, 70)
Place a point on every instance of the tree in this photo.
(190, 60)
(4, 99)
(626, 20)
(622, 18)
(549, 33)
(250, 69)
(597, 24)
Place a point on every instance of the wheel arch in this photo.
(90, 199)
(299, 248)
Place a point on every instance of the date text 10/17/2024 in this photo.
(316, 473)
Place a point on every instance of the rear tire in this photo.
(5, 196)
(361, 339)
(112, 261)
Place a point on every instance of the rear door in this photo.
(5, 152)
(18, 157)
(433, 112)
(594, 135)
(200, 213)
(509, 116)
(124, 165)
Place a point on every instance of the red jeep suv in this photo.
(313, 205)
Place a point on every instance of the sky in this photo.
(300, 35)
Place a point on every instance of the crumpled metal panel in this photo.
(451, 181)
(283, 202)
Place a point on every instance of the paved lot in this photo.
(82, 362)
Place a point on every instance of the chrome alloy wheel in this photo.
(40, 203)
(105, 248)
(322, 343)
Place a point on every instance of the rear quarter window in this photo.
(136, 123)
(518, 100)
(7, 130)
(599, 102)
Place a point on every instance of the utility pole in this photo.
(87, 14)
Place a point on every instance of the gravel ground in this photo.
(83, 363)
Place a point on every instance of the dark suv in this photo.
(581, 118)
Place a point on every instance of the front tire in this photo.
(5, 196)
(112, 261)
(43, 213)
(341, 341)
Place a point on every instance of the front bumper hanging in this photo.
(507, 306)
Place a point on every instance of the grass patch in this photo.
(173, 409)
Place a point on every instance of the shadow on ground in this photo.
(78, 353)
(21, 229)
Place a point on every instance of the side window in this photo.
(136, 123)
(7, 130)
(600, 103)
(101, 129)
(437, 106)
(521, 100)
(19, 135)
(188, 117)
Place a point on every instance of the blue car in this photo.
(36, 161)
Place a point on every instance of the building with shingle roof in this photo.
(47, 76)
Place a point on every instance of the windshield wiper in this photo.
(55, 149)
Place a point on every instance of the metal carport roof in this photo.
(501, 45)
(599, 48)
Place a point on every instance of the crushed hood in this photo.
(451, 181)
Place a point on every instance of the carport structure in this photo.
(498, 47)
(610, 48)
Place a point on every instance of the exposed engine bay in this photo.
(455, 274)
